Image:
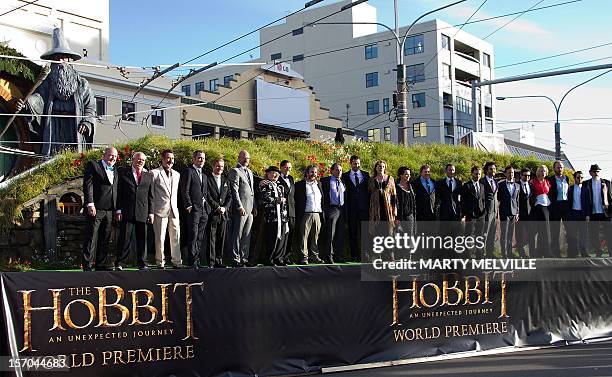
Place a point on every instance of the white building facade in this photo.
(357, 81)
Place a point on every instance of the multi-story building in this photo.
(352, 68)
(85, 25)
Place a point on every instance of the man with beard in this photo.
(66, 94)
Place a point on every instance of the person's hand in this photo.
(118, 217)
(516, 218)
(397, 222)
(221, 210)
(254, 212)
(188, 209)
(91, 210)
(587, 218)
(242, 211)
(19, 105)
(150, 219)
(83, 129)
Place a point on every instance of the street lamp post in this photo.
(402, 86)
(557, 110)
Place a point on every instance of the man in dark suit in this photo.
(134, 198)
(524, 233)
(425, 193)
(309, 212)
(508, 196)
(357, 204)
(559, 206)
(491, 207)
(193, 189)
(287, 181)
(220, 200)
(100, 189)
(333, 209)
(473, 208)
(597, 207)
(576, 227)
(448, 194)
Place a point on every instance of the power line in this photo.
(19, 7)
(554, 56)
(512, 20)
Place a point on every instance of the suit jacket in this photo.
(472, 205)
(553, 192)
(98, 189)
(490, 199)
(425, 202)
(300, 199)
(134, 199)
(446, 199)
(194, 191)
(165, 192)
(325, 186)
(508, 205)
(218, 198)
(357, 198)
(242, 187)
(290, 192)
(587, 197)
(525, 202)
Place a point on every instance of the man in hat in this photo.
(274, 202)
(597, 207)
(67, 97)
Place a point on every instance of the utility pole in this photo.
(347, 115)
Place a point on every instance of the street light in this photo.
(402, 87)
(557, 110)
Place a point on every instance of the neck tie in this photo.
(356, 179)
(428, 186)
(450, 184)
(138, 175)
(477, 188)
(167, 172)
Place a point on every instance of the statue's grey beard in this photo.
(64, 80)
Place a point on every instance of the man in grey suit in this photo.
(243, 208)
(508, 196)
(491, 208)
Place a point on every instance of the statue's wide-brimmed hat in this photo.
(60, 48)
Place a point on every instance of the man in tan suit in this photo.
(164, 207)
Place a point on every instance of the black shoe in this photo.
(219, 265)
(87, 268)
(211, 265)
(103, 268)
(144, 268)
(236, 265)
(251, 264)
(119, 267)
(287, 261)
(302, 262)
(195, 266)
(280, 263)
(315, 260)
(328, 260)
(178, 266)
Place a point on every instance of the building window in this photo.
(414, 45)
(200, 131)
(464, 105)
(226, 132)
(446, 71)
(419, 129)
(415, 73)
(371, 51)
(186, 89)
(157, 117)
(371, 79)
(100, 106)
(298, 31)
(374, 134)
(372, 107)
(227, 79)
(445, 42)
(212, 84)
(127, 111)
(486, 60)
(387, 133)
(298, 58)
(418, 100)
(488, 112)
(276, 56)
(199, 86)
(385, 105)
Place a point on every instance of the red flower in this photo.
(126, 149)
(76, 163)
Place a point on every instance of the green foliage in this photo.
(264, 152)
(19, 68)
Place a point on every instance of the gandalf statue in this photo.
(67, 98)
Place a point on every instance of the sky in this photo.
(152, 32)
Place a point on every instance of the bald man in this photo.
(100, 190)
(243, 209)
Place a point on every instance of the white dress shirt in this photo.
(577, 204)
(313, 197)
(597, 205)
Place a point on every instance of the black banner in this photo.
(279, 321)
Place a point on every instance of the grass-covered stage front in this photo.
(289, 320)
